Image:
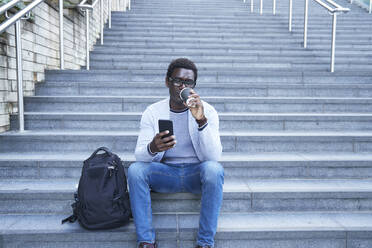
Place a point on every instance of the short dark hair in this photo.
(182, 63)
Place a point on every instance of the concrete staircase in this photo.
(297, 139)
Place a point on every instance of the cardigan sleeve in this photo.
(146, 134)
(209, 136)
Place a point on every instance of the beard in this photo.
(177, 101)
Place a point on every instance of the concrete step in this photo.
(121, 121)
(248, 142)
(240, 15)
(205, 89)
(223, 5)
(314, 66)
(241, 20)
(217, 35)
(226, 12)
(254, 230)
(253, 48)
(238, 9)
(218, 76)
(206, 66)
(107, 53)
(212, 33)
(56, 196)
(237, 166)
(239, 52)
(220, 5)
(237, 17)
(313, 44)
(248, 55)
(243, 11)
(221, 104)
(225, 28)
(255, 61)
(119, 60)
(143, 3)
(310, 63)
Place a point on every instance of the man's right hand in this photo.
(159, 144)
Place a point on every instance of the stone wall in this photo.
(40, 49)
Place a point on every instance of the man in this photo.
(183, 162)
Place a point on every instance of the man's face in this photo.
(174, 91)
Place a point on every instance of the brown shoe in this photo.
(147, 245)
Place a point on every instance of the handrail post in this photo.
(110, 3)
(87, 36)
(290, 16)
(252, 6)
(370, 6)
(61, 50)
(125, 5)
(274, 7)
(261, 7)
(129, 7)
(305, 22)
(21, 117)
(101, 7)
(333, 41)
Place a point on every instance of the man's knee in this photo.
(137, 171)
(212, 172)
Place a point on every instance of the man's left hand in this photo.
(196, 106)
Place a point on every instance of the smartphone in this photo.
(166, 125)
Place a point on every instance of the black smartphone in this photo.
(166, 125)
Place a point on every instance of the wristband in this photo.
(202, 121)
(202, 127)
(149, 150)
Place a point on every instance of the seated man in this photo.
(188, 164)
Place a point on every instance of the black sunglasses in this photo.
(178, 82)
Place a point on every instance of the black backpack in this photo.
(102, 199)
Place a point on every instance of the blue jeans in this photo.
(205, 178)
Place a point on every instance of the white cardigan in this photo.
(207, 143)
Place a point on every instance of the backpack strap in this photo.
(105, 149)
(74, 216)
(70, 219)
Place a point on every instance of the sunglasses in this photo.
(178, 82)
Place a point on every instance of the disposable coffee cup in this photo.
(184, 95)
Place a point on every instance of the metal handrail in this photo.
(89, 7)
(82, 5)
(17, 20)
(8, 5)
(290, 12)
(19, 14)
(370, 5)
(338, 8)
(334, 11)
(261, 6)
(61, 51)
